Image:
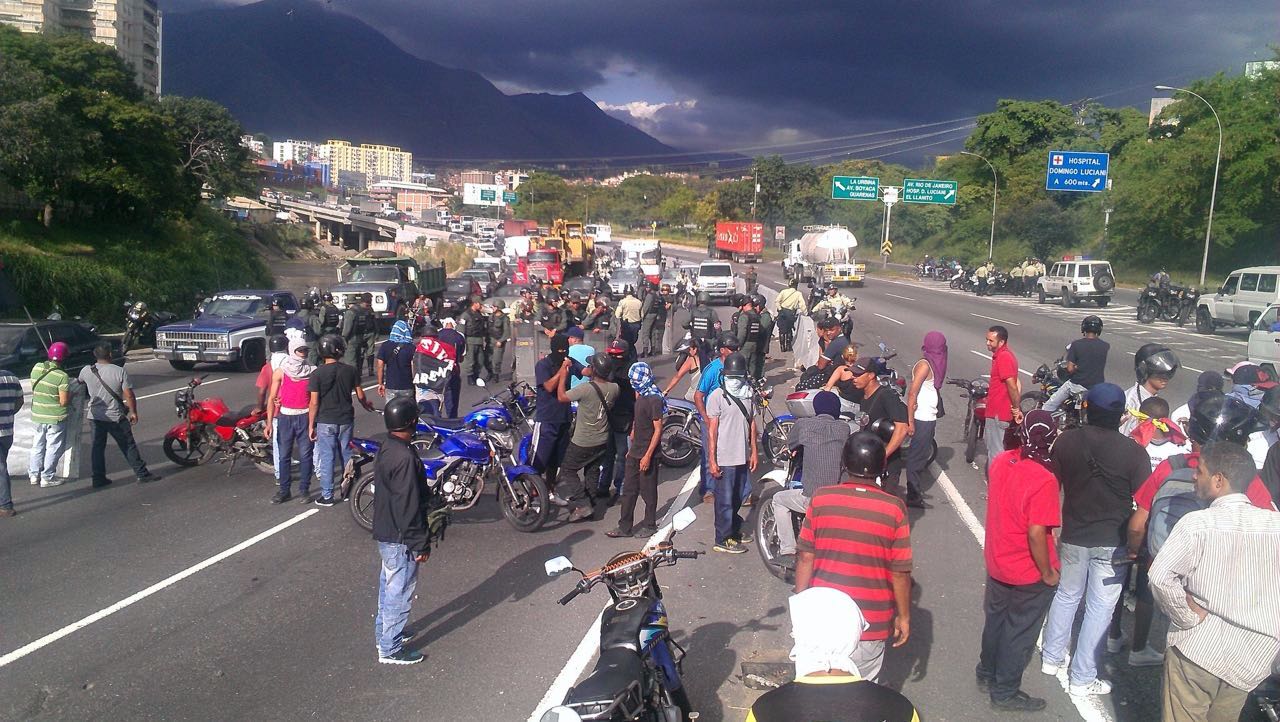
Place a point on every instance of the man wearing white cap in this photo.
(827, 625)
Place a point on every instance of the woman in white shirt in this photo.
(924, 407)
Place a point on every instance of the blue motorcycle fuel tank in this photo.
(482, 418)
(466, 446)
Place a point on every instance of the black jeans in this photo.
(1014, 614)
(642, 484)
(122, 432)
(918, 456)
(569, 481)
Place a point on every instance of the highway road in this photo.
(194, 597)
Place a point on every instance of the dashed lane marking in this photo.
(170, 391)
(988, 357)
(889, 319)
(993, 318)
(905, 298)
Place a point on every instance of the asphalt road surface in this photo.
(195, 598)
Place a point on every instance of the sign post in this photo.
(889, 197)
(1070, 170)
(483, 194)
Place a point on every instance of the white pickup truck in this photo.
(1264, 338)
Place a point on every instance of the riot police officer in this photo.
(764, 337)
(357, 324)
(499, 337)
(790, 305)
(651, 308)
(369, 322)
(325, 321)
(475, 327)
(746, 326)
(276, 319)
(702, 326)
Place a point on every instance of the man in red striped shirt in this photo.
(856, 539)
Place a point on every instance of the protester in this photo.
(642, 449)
(1206, 381)
(732, 454)
(10, 404)
(450, 335)
(394, 367)
(1100, 469)
(50, 395)
(856, 524)
(613, 465)
(331, 415)
(590, 432)
(881, 403)
(288, 406)
(552, 419)
(580, 351)
(924, 408)
(1086, 363)
(1022, 562)
(710, 381)
(1215, 578)
(1154, 366)
(688, 363)
(1005, 394)
(832, 341)
(434, 368)
(821, 438)
(1156, 433)
(114, 410)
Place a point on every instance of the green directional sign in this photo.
(917, 190)
(488, 195)
(509, 197)
(855, 188)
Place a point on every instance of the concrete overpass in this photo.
(349, 229)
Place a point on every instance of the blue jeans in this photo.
(1066, 389)
(614, 463)
(333, 449)
(292, 442)
(731, 488)
(1087, 572)
(705, 482)
(397, 580)
(993, 434)
(46, 447)
(6, 497)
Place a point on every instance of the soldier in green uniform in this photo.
(746, 326)
(369, 322)
(764, 338)
(475, 327)
(499, 337)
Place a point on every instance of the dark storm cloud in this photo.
(756, 67)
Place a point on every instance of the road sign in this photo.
(855, 188)
(779, 233)
(488, 195)
(509, 197)
(1070, 170)
(917, 190)
(886, 248)
(890, 196)
(482, 194)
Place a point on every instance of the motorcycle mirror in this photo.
(559, 565)
(683, 519)
(561, 714)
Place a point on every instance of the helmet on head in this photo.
(1091, 324)
(575, 297)
(1154, 359)
(326, 297)
(602, 365)
(831, 288)
(729, 341)
(703, 298)
(735, 365)
(474, 299)
(757, 300)
(140, 306)
(58, 351)
(279, 343)
(864, 455)
(332, 346)
(1221, 418)
(499, 304)
(307, 303)
(400, 413)
(882, 428)
(741, 300)
(794, 283)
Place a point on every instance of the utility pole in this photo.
(995, 190)
(755, 178)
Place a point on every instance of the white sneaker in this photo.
(1097, 686)
(34, 480)
(1147, 657)
(1115, 645)
(1050, 668)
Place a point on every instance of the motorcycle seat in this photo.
(443, 423)
(231, 418)
(615, 671)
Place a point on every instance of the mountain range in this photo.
(293, 69)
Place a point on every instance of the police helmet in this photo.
(831, 288)
(332, 346)
(735, 365)
(703, 298)
(757, 300)
(400, 413)
(864, 455)
(499, 304)
(729, 341)
(326, 297)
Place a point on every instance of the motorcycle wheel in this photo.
(361, 501)
(767, 535)
(192, 452)
(126, 341)
(1170, 313)
(1032, 400)
(679, 698)
(775, 442)
(971, 442)
(527, 510)
(674, 451)
(1147, 311)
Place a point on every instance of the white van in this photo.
(715, 278)
(1240, 300)
(1264, 338)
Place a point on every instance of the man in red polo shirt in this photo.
(1022, 562)
(1006, 390)
(856, 539)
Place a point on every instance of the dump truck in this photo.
(577, 249)
(393, 282)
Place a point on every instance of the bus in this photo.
(645, 255)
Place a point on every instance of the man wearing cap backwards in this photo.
(1100, 469)
(1022, 563)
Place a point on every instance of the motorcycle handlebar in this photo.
(688, 555)
(569, 597)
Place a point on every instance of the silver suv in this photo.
(715, 278)
(1074, 281)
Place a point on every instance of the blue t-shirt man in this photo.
(710, 380)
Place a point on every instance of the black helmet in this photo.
(882, 428)
(864, 455)
(757, 300)
(794, 282)
(307, 303)
(1091, 324)
(729, 341)
(400, 413)
(332, 346)
(831, 287)
(1221, 418)
(278, 343)
(1269, 408)
(1154, 359)
(326, 297)
(735, 365)
(602, 365)
(703, 298)
(741, 300)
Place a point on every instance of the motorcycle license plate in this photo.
(188, 357)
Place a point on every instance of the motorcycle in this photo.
(975, 417)
(638, 672)
(209, 427)
(1050, 378)
(680, 442)
(141, 324)
(1267, 697)
(514, 406)
(767, 523)
(840, 312)
(1168, 303)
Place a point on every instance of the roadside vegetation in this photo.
(456, 256)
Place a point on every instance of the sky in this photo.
(751, 74)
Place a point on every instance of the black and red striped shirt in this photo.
(859, 536)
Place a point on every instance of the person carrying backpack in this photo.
(1167, 496)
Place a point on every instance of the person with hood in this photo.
(435, 367)
(924, 407)
(821, 437)
(394, 368)
(1021, 560)
(732, 453)
(827, 626)
(450, 335)
(288, 402)
(641, 478)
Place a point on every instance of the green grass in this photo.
(89, 271)
(456, 256)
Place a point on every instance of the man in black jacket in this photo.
(400, 528)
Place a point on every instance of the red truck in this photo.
(519, 227)
(739, 241)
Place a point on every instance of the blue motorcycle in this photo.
(637, 673)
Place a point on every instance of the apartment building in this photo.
(357, 166)
(296, 151)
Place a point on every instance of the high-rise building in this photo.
(132, 27)
(356, 166)
(298, 151)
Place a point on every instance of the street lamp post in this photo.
(995, 190)
(1213, 194)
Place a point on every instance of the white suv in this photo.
(1075, 281)
(715, 278)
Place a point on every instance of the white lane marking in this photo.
(48, 639)
(163, 393)
(905, 298)
(993, 318)
(988, 357)
(1091, 709)
(889, 319)
(590, 641)
(1192, 368)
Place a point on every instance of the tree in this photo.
(208, 145)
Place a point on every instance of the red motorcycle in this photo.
(975, 415)
(209, 427)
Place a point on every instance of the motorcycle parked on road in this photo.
(680, 443)
(1167, 303)
(975, 416)
(638, 671)
(208, 428)
(141, 323)
(767, 523)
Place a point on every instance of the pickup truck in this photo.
(230, 330)
(392, 281)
